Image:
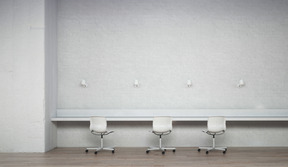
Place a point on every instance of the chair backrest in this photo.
(98, 124)
(216, 124)
(162, 124)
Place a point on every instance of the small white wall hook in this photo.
(189, 83)
(136, 83)
(83, 83)
(241, 83)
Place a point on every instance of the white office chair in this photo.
(216, 126)
(161, 126)
(98, 126)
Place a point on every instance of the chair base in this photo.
(224, 149)
(163, 149)
(100, 149)
(215, 148)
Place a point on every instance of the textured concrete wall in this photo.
(163, 44)
(22, 98)
(185, 134)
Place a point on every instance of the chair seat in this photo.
(161, 133)
(101, 133)
(214, 132)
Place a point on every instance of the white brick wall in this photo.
(163, 44)
(185, 134)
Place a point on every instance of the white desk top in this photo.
(177, 115)
(239, 118)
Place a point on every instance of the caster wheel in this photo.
(163, 152)
(113, 151)
(174, 151)
(86, 151)
(199, 150)
(224, 152)
(147, 151)
(95, 152)
(207, 152)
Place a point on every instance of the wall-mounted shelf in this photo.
(241, 118)
(176, 114)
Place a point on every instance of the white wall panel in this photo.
(185, 134)
(163, 44)
(22, 76)
(50, 73)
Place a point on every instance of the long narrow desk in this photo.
(240, 118)
(177, 115)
